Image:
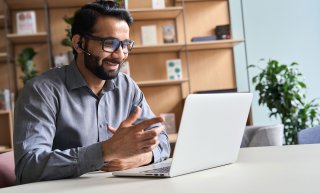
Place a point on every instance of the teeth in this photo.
(112, 64)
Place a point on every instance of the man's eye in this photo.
(108, 45)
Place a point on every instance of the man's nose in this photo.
(118, 53)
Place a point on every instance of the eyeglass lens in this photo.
(114, 44)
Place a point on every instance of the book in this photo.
(26, 22)
(149, 35)
(204, 38)
(174, 69)
(125, 68)
(158, 4)
(61, 59)
(6, 100)
(169, 123)
(169, 34)
(223, 32)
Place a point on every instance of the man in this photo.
(66, 119)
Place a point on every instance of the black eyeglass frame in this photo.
(129, 42)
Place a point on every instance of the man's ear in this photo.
(76, 43)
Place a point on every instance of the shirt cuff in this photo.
(156, 155)
(90, 158)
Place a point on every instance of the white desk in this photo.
(287, 169)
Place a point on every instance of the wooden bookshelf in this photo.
(179, 1)
(40, 37)
(217, 44)
(67, 3)
(25, 5)
(5, 131)
(152, 14)
(160, 82)
(2, 19)
(4, 149)
(173, 47)
(3, 112)
(173, 137)
(3, 57)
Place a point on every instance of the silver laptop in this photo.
(210, 134)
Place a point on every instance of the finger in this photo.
(112, 130)
(150, 142)
(104, 168)
(149, 134)
(132, 118)
(147, 123)
(149, 149)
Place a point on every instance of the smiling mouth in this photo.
(110, 65)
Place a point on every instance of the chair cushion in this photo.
(309, 136)
(7, 175)
(267, 135)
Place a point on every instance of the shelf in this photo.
(217, 44)
(3, 112)
(4, 149)
(173, 137)
(40, 37)
(67, 3)
(173, 47)
(2, 21)
(150, 14)
(3, 58)
(25, 5)
(176, 47)
(160, 83)
(179, 1)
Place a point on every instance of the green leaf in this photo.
(303, 85)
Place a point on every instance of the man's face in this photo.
(106, 65)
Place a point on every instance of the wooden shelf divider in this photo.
(172, 47)
(2, 20)
(25, 5)
(217, 44)
(40, 37)
(179, 1)
(151, 14)
(3, 58)
(160, 82)
(173, 137)
(67, 3)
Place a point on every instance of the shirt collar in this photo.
(75, 80)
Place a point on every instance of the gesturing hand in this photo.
(130, 140)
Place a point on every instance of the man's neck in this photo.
(94, 83)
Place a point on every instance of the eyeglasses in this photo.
(111, 44)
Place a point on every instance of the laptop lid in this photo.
(210, 132)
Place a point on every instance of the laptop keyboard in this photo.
(158, 170)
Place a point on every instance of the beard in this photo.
(92, 63)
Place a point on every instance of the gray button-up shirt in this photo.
(59, 124)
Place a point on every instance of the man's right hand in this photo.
(130, 140)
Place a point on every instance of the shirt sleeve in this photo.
(162, 151)
(34, 131)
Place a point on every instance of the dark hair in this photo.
(86, 18)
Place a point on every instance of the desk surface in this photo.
(263, 170)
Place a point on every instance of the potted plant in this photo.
(67, 40)
(282, 89)
(26, 64)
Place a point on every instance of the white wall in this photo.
(285, 30)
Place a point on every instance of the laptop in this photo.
(210, 134)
